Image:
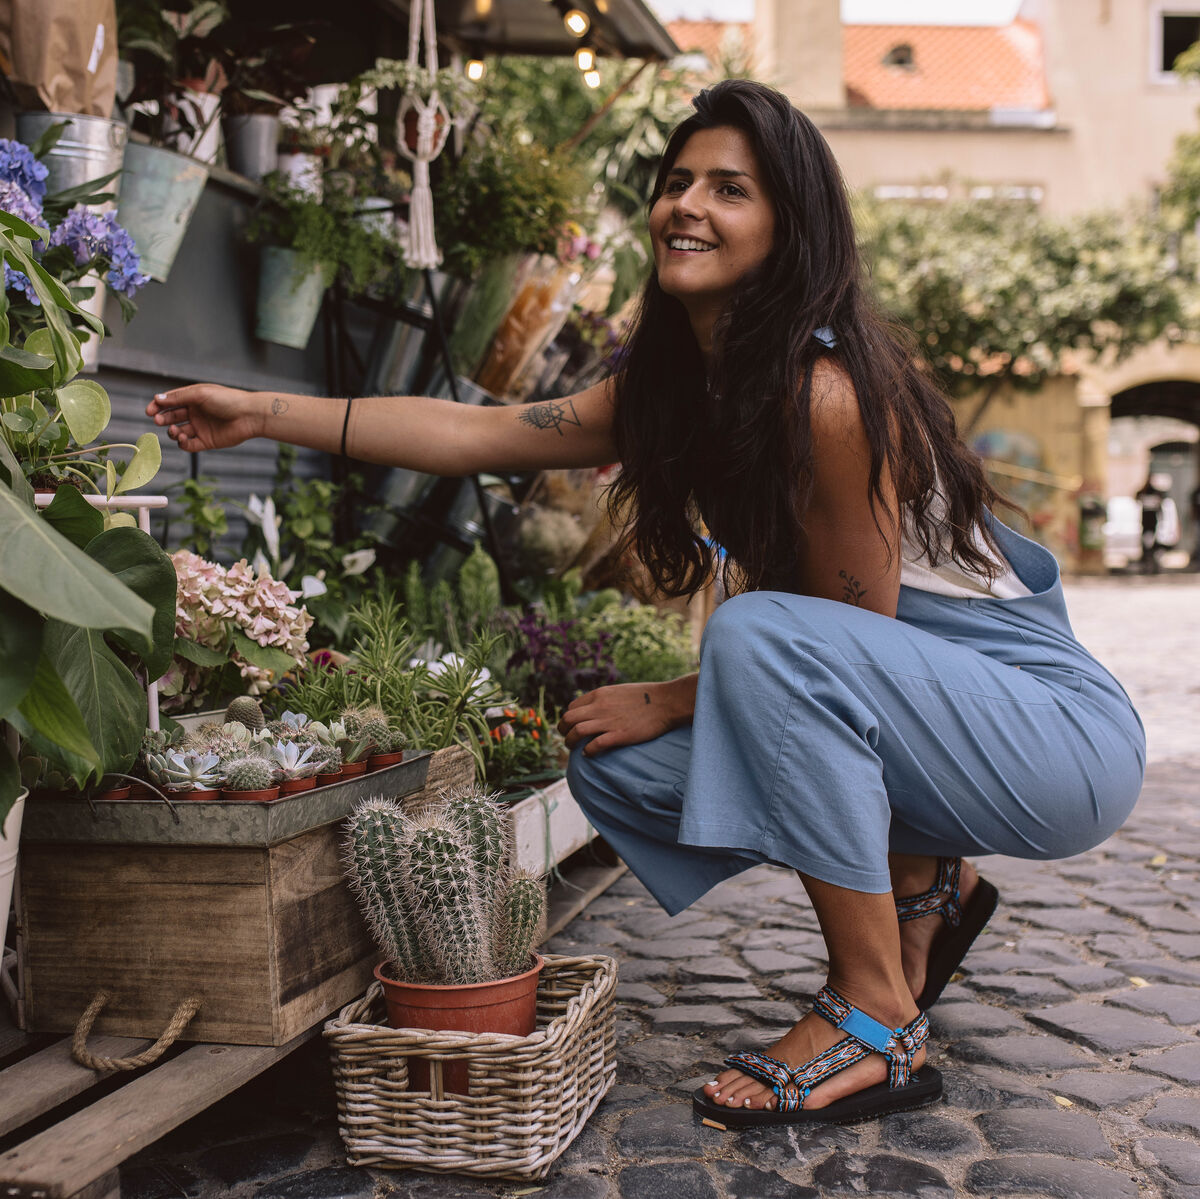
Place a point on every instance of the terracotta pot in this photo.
(200, 793)
(379, 761)
(333, 776)
(291, 786)
(507, 1005)
(267, 793)
(112, 793)
(410, 128)
(140, 791)
(353, 768)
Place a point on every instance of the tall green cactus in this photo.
(439, 891)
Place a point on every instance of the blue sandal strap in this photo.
(898, 1045)
(943, 897)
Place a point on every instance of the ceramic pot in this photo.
(267, 793)
(8, 855)
(292, 786)
(506, 1005)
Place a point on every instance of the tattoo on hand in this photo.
(646, 696)
(852, 590)
(278, 406)
(552, 414)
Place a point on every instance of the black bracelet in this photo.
(346, 423)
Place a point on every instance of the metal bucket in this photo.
(289, 298)
(162, 189)
(251, 144)
(89, 148)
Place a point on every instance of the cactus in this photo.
(521, 908)
(245, 710)
(438, 889)
(189, 771)
(248, 774)
(328, 759)
(397, 741)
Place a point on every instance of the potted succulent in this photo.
(351, 741)
(174, 102)
(249, 777)
(455, 920)
(196, 774)
(295, 766)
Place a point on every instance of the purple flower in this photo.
(93, 236)
(18, 165)
(17, 202)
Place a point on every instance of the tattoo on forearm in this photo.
(646, 696)
(852, 590)
(552, 414)
(278, 406)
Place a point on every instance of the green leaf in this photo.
(10, 782)
(111, 700)
(266, 656)
(138, 561)
(22, 492)
(22, 371)
(21, 421)
(41, 343)
(44, 570)
(22, 228)
(86, 409)
(50, 709)
(73, 517)
(201, 655)
(20, 647)
(144, 464)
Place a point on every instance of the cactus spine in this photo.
(248, 774)
(439, 891)
(245, 711)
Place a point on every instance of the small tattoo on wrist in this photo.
(646, 696)
(552, 414)
(852, 590)
(278, 406)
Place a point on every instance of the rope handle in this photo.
(79, 1051)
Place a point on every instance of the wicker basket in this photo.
(529, 1096)
(449, 769)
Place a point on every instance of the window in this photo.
(1179, 31)
(901, 56)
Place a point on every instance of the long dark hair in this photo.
(735, 449)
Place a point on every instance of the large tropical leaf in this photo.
(44, 570)
(22, 491)
(20, 647)
(111, 700)
(201, 655)
(30, 233)
(139, 562)
(50, 709)
(22, 371)
(73, 517)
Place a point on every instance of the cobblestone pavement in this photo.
(1069, 1046)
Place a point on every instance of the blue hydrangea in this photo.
(18, 165)
(90, 235)
(15, 200)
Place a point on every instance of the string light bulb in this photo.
(476, 69)
(585, 58)
(576, 21)
(592, 78)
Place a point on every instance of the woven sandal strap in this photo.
(943, 897)
(898, 1045)
(792, 1085)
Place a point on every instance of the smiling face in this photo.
(713, 222)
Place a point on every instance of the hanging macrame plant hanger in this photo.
(432, 128)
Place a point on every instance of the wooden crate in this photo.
(262, 927)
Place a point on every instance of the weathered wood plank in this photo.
(82, 1149)
(577, 888)
(41, 1082)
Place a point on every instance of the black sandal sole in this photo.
(951, 947)
(924, 1087)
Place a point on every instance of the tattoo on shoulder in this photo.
(552, 414)
(852, 590)
(278, 406)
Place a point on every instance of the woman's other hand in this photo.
(206, 417)
(628, 713)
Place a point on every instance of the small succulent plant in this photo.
(293, 761)
(346, 736)
(189, 771)
(156, 741)
(154, 767)
(245, 710)
(328, 759)
(249, 773)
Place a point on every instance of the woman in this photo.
(894, 684)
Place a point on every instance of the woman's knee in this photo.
(758, 622)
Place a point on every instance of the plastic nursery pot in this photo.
(140, 791)
(352, 768)
(121, 792)
(379, 761)
(262, 796)
(199, 793)
(506, 1005)
(332, 776)
(291, 786)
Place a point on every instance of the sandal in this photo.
(903, 1090)
(963, 924)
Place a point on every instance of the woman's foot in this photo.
(811, 1036)
(918, 935)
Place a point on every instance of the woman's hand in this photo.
(628, 713)
(206, 417)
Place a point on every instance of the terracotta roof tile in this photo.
(960, 68)
(710, 38)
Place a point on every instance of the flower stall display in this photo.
(237, 631)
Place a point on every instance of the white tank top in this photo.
(948, 578)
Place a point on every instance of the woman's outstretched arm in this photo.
(436, 436)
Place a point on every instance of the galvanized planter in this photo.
(289, 298)
(158, 197)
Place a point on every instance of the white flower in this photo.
(358, 561)
(311, 586)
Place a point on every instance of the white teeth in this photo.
(688, 243)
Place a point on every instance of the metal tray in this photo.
(150, 821)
